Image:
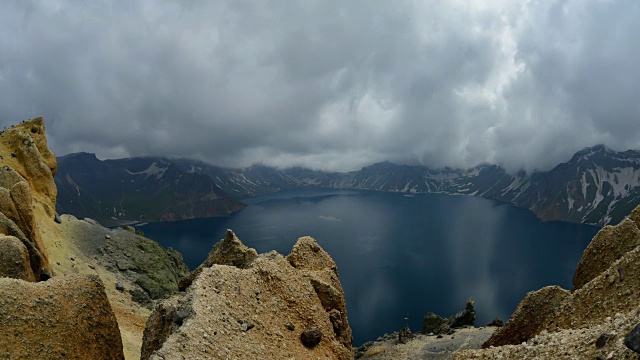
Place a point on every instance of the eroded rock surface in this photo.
(27, 167)
(611, 243)
(255, 307)
(530, 317)
(67, 317)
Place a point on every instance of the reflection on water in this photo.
(399, 255)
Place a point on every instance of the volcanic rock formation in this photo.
(67, 317)
(242, 305)
(26, 186)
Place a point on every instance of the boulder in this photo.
(602, 340)
(67, 317)
(632, 340)
(14, 259)
(611, 243)
(530, 317)
(280, 300)
(311, 337)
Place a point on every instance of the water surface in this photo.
(401, 255)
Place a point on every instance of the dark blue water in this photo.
(399, 255)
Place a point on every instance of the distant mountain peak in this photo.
(588, 153)
(599, 148)
(80, 155)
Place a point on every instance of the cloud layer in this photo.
(326, 84)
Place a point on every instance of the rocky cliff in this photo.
(241, 305)
(593, 319)
(26, 188)
(65, 317)
(69, 288)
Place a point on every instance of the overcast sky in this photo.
(330, 85)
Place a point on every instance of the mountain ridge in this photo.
(141, 189)
(596, 186)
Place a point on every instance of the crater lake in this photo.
(400, 255)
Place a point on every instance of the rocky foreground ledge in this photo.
(241, 305)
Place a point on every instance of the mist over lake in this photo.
(400, 255)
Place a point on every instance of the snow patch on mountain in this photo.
(152, 170)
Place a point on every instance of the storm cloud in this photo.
(331, 85)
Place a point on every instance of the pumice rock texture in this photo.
(67, 317)
(241, 305)
(610, 244)
(44, 316)
(27, 167)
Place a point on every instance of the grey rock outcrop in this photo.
(266, 290)
(156, 270)
(145, 268)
